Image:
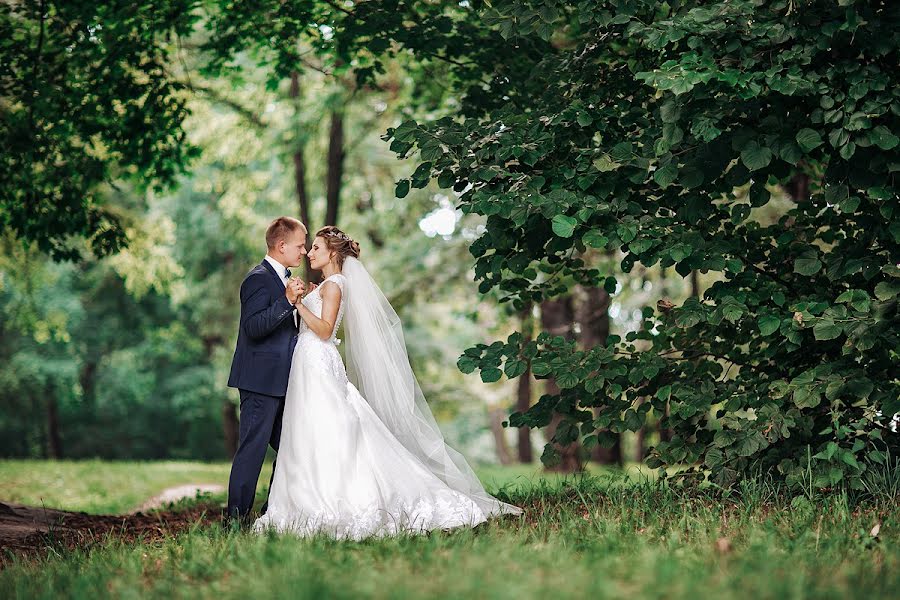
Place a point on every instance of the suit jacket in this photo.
(266, 337)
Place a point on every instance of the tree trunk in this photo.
(300, 169)
(86, 378)
(557, 318)
(54, 440)
(609, 456)
(230, 425)
(593, 317)
(523, 390)
(665, 434)
(640, 450)
(503, 454)
(335, 167)
(798, 187)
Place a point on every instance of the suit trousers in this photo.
(260, 427)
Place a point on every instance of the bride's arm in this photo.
(331, 303)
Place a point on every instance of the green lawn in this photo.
(599, 536)
(103, 487)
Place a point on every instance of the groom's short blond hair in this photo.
(280, 228)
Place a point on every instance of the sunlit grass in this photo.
(113, 487)
(100, 487)
(603, 536)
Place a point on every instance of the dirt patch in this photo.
(33, 532)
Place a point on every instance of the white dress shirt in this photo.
(282, 272)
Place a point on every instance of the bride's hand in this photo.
(294, 290)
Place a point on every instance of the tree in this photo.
(656, 131)
(86, 101)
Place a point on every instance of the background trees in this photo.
(601, 151)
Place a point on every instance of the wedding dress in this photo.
(360, 453)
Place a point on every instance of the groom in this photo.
(262, 358)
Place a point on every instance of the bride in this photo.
(360, 453)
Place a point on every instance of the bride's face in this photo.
(319, 255)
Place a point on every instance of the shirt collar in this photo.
(279, 268)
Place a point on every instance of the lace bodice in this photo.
(315, 303)
(313, 350)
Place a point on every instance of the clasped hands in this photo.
(296, 289)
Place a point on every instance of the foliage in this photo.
(86, 100)
(654, 131)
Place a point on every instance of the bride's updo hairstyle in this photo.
(338, 242)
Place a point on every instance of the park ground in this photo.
(600, 535)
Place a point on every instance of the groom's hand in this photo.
(294, 289)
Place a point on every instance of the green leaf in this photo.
(826, 329)
(808, 263)
(595, 239)
(664, 176)
(467, 364)
(808, 139)
(564, 226)
(755, 157)
(627, 231)
(882, 137)
(768, 324)
(513, 368)
(402, 188)
(604, 163)
(887, 289)
(567, 379)
(669, 111)
(847, 151)
(807, 397)
(491, 375)
(858, 299)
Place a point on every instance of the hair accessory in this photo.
(340, 236)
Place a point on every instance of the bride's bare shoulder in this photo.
(330, 289)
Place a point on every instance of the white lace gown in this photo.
(340, 471)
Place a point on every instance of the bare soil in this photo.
(30, 531)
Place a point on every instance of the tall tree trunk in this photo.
(300, 168)
(54, 440)
(523, 390)
(798, 187)
(496, 416)
(335, 167)
(230, 425)
(593, 317)
(640, 450)
(665, 434)
(557, 318)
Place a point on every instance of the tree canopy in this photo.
(655, 134)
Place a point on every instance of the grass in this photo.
(604, 536)
(101, 487)
(104, 487)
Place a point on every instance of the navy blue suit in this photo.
(260, 369)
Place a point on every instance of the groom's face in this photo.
(294, 248)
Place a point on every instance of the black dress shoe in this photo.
(234, 521)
